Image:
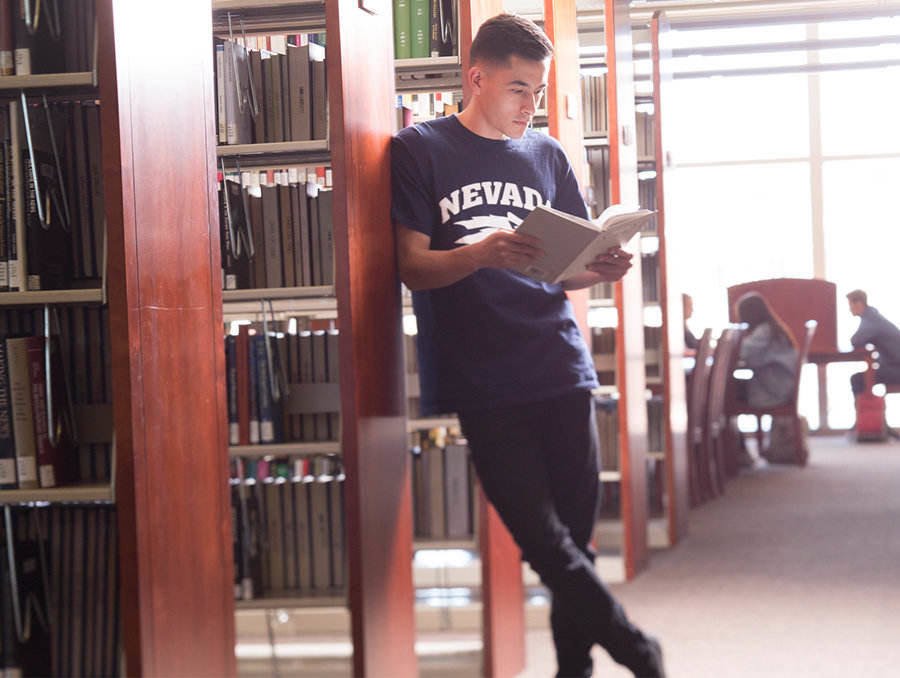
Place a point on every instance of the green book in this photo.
(402, 20)
(420, 29)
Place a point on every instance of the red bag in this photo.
(870, 422)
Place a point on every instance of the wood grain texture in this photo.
(672, 368)
(166, 331)
(378, 499)
(629, 295)
(503, 593)
(564, 114)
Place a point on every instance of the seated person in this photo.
(767, 348)
(877, 330)
(691, 342)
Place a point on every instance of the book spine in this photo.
(23, 415)
(7, 39)
(420, 29)
(402, 20)
(46, 455)
(231, 378)
(7, 442)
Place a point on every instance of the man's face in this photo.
(857, 307)
(508, 94)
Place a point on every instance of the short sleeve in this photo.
(568, 193)
(411, 202)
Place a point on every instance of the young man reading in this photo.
(502, 350)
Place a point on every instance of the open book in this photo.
(570, 242)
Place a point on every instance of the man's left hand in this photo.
(611, 265)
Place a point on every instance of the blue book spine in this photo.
(264, 392)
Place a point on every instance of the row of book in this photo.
(47, 36)
(62, 616)
(647, 199)
(52, 212)
(594, 105)
(56, 426)
(283, 384)
(271, 89)
(277, 228)
(597, 193)
(425, 28)
(650, 276)
(607, 416)
(443, 486)
(288, 526)
(611, 497)
(646, 137)
(413, 108)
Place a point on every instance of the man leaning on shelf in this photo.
(501, 349)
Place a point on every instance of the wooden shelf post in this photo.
(168, 365)
(378, 497)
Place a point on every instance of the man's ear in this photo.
(475, 77)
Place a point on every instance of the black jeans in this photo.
(538, 465)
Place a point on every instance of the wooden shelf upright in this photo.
(631, 379)
(672, 349)
(378, 498)
(564, 110)
(165, 311)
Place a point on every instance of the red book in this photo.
(54, 457)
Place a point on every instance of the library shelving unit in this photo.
(365, 300)
(58, 610)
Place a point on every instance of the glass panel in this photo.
(860, 110)
(759, 211)
(859, 220)
(747, 118)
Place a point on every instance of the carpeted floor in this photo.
(793, 573)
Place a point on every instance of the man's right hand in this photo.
(505, 249)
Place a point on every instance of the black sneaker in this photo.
(652, 666)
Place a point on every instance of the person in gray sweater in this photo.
(769, 349)
(881, 333)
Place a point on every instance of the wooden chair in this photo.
(717, 440)
(787, 409)
(699, 386)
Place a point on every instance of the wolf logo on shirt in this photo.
(479, 228)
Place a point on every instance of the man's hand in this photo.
(505, 249)
(607, 267)
(611, 265)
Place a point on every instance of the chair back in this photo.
(724, 362)
(804, 346)
(699, 388)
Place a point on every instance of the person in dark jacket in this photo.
(881, 333)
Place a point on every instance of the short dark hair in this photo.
(507, 35)
(858, 295)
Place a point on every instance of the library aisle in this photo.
(792, 573)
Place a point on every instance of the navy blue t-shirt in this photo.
(494, 338)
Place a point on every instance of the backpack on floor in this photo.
(870, 424)
(784, 447)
